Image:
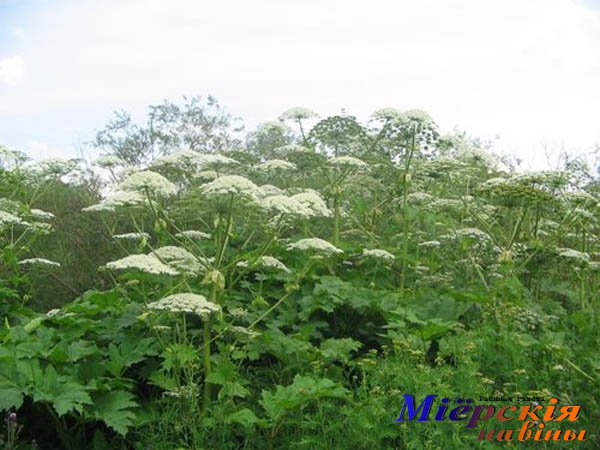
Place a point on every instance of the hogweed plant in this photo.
(244, 297)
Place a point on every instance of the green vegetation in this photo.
(284, 289)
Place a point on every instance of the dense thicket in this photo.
(285, 288)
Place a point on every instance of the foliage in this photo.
(287, 294)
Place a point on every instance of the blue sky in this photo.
(524, 71)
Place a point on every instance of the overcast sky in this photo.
(526, 70)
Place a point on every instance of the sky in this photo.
(525, 74)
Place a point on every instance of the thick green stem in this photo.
(336, 218)
(206, 347)
(405, 228)
(207, 366)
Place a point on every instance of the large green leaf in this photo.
(116, 409)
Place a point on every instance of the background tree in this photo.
(199, 124)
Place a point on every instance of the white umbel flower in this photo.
(378, 253)
(183, 160)
(41, 215)
(315, 245)
(290, 149)
(117, 200)
(149, 181)
(53, 312)
(141, 263)
(229, 184)
(267, 190)
(276, 165)
(272, 263)
(186, 303)
(216, 161)
(179, 258)
(54, 166)
(207, 175)
(472, 233)
(282, 204)
(268, 262)
(297, 113)
(385, 114)
(573, 254)
(418, 197)
(42, 228)
(193, 234)
(132, 236)
(9, 219)
(313, 202)
(39, 262)
(347, 162)
(430, 244)
(109, 161)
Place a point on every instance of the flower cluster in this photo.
(276, 165)
(297, 113)
(313, 203)
(573, 254)
(347, 162)
(267, 190)
(269, 262)
(179, 259)
(193, 234)
(39, 261)
(216, 161)
(141, 263)
(377, 253)
(7, 218)
(117, 200)
(109, 161)
(41, 215)
(284, 205)
(187, 303)
(148, 181)
(385, 114)
(53, 167)
(229, 185)
(132, 236)
(315, 245)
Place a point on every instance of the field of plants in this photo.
(193, 286)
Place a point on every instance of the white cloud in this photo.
(525, 70)
(41, 150)
(12, 71)
(18, 33)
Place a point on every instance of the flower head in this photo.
(573, 254)
(187, 303)
(276, 165)
(149, 181)
(347, 162)
(132, 236)
(215, 161)
(313, 202)
(385, 114)
(315, 245)
(109, 161)
(297, 113)
(39, 261)
(267, 190)
(142, 263)
(119, 199)
(179, 258)
(41, 215)
(284, 205)
(9, 219)
(193, 234)
(377, 253)
(229, 184)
